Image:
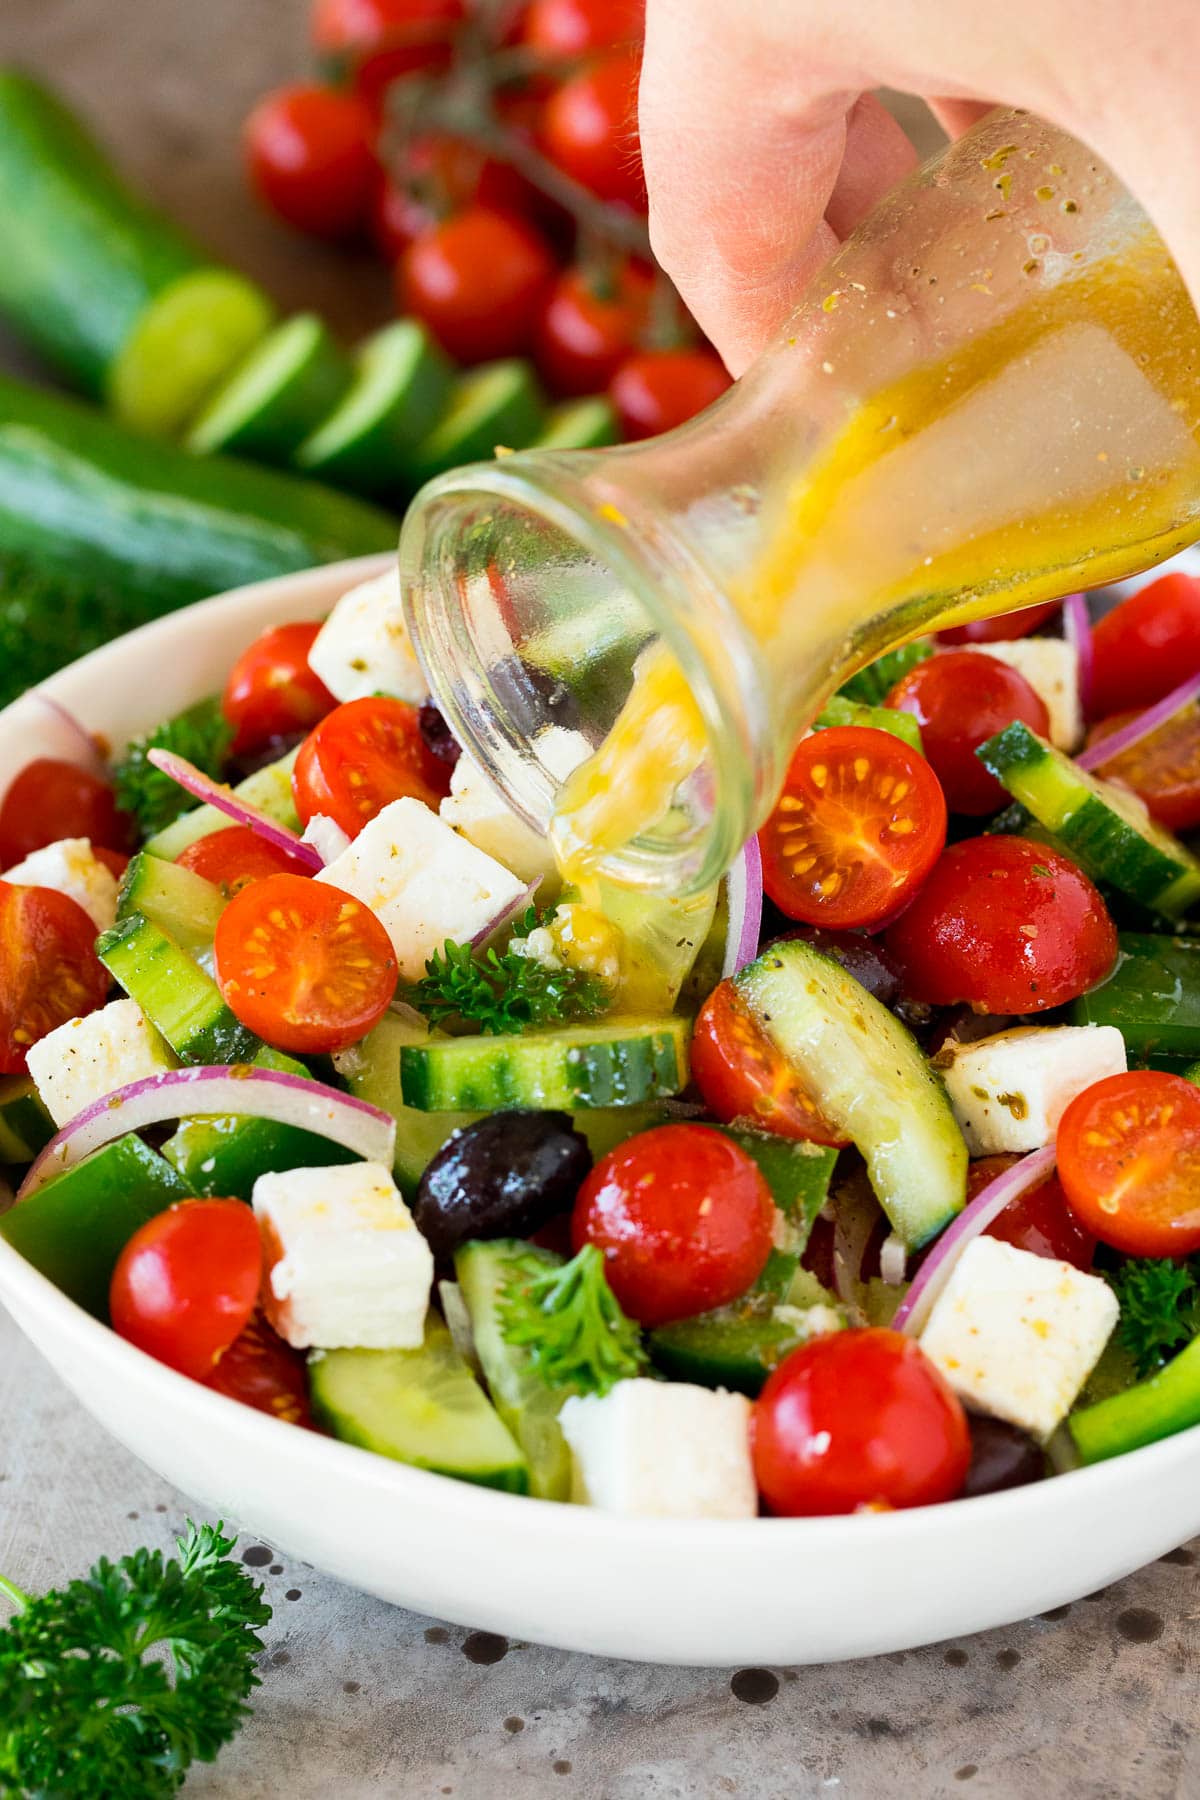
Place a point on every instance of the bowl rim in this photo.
(91, 1338)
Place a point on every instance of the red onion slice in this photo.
(57, 733)
(1143, 726)
(215, 793)
(217, 1091)
(930, 1279)
(513, 911)
(744, 888)
(1077, 630)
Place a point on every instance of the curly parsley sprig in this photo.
(1160, 1309)
(568, 1318)
(90, 1708)
(502, 992)
(200, 735)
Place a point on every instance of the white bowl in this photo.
(769, 1591)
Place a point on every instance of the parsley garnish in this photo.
(1160, 1309)
(500, 993)
(152, 798)
(88, 1705)
(569, 1320)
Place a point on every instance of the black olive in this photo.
(863, 957)
(530, 698)
(502, 1177)
(436, 735)
(1002, 1456)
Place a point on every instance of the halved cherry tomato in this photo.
(1162, 769)
(187, 1282)
(741, 1075)
(477, 281)
(304, 965)
(1039, 1220)
(1006, 926)
(310, 156)
(1146, 646)
(361, 757)
(591, 324)
(260, 1370)
(1129, 1162)
(859, 825)
(49, 800)
(234, 857)
(1001, 630)
(563, 28)
(49, 972)
(858, 1419)
(589, 128)
(960, 699)
(684, 1218)
(271, 691)
(659, 389)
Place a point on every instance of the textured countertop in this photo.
(360, 1700)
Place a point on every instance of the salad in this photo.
(868, 1180)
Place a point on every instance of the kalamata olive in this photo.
(436, 735)
(502, 1177)
(863, 957)
(530, 698)
(1002, 1456)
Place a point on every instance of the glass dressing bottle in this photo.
(989, 397)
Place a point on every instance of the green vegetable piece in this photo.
(1152, 996)
(269, 789)
(185, 344)
(798, 1175)
(872, 685)
(272, 400)
(841, 711)
(116, 1684)
(153, 800)
(1160, 1309)
(618, 1062)
(502, 992)
(177, 899)
(588, 424)
(401, 387)
(226, 1155)
(578, 1338)
(25, 1125)
(1168, 1402)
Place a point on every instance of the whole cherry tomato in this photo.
(1146, 646)
(49, 800)
(1163, 769)
(362, 756)
(858, 1419)
(260, 1370)
(443, 175)
(741, 1075)
(684, 1217)
(590, 325)
(1006, 926)
(1039, 1220)
(234, 857)
(558, 29)
(589, 128)
(384, 40)
(187, 1282)
(1129, 1162)
(1000, 630)
(271, 691)
(659, 389)
(49, 971)
(477, 281)
(311, 160)
(960, 699)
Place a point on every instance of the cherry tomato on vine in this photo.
(590, 326)
(234, 857)
(659, 389)
(443, 175)
(187, 1282)
(858, 1419)
(960, 699)
(1146, 646)
(51, 799)
(1129, 1162)
(741, 1075)
(271, 691)
(859, 825)
(49, 972)
(565, 28)
(260, 1370)
(1039, 1220)
(1001, 630)
(684, 1217)
(1004, 925)
(306, 966)
(362, 756)
(477, 281)
(311, 160)
(1163, 769)
(384, 40)
(589, 128)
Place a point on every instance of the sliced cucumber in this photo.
(179, 999)
(272, 400)
(226, 1156)
(872, 685)
(422, 1407)
(623, 1062)
(589, 424)
(25, 1125)
(1104, 828)
(840, 711)
(500, 403)
(182, 902)
(401, 387)
(75, 1228)
(870, 1079)
(522, 1398)
(736, 1347)
(185, 344)
(1152, 996)
(269, 789)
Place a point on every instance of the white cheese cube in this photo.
(475, 808)
(1010, 1091)
(364, 648)
(85, 1059)
(346, 1266)
(665, 1450)
(71, 867)
(1017, 1335)
(1051, 667)
(423, 882)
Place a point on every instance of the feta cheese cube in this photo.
(364, 648)
(1017, 1335)
(1051, 667)
(346, 1266)
(1009, 1091)
(71, 867)
(666, 1450)
(422, 881)
(85, 1059)
(475, 808)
